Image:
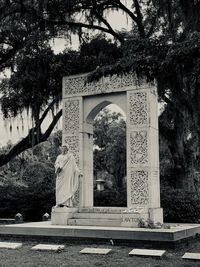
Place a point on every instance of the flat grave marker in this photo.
(100, 251)
(10, 245)
(46, 247)
(191, 256)
(147, 252)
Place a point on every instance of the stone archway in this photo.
(81, 103)
(91, 107)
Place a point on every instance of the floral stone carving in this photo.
(139, 187)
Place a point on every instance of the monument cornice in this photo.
(78, 85)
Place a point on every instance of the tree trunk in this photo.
(178, 155)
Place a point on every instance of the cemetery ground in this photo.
(70, 256)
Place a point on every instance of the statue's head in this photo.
(65, 148)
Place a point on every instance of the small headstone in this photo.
(48, 247)
(147, 252)
(19, 218)
(191, 256)
(46, 217)
(10, 245)
(102, 251)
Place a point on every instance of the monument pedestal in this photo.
(60, 215)
(131, 217)
(156, 215)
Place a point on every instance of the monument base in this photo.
(61, 215)
(132, 217)
(156, 215)
(106, 216)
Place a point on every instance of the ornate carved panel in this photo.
(139, 187)
(138, 109)
(73, 142)
(78, 84)
(76, 199)
(71, 116)
(138, 147)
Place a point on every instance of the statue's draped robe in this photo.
(67, 180)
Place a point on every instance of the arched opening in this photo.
(109, 155)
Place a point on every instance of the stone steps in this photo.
(90, 215)
(95, 222)
(97, 216)
(110, 210)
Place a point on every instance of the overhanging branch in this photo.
(28, 141)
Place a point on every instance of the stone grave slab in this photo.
(100, 251)
(48, 247)
(10, 245)
(191, 256)
(147, 252)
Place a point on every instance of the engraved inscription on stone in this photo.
(138, 108)
(139, 187)
(71, 115)
(130, 220)
(138, 147)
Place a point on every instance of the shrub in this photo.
(110, 198)
(180, 206)
(32, 198)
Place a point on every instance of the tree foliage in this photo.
(110, 143)
(162, 46)
(36, 85)
(27, 182)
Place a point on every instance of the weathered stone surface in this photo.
(10, 245)
(60, 216)
(147, 252)
(95, 222)
(102, 251)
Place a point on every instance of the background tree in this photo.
(163, 45)
(36, 84)
(110, 143)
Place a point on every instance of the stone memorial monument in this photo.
(82, 101)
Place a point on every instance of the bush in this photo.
(180, 206)
(32, 198)
(32, 204)
(110, 198)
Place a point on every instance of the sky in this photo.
(20, 127)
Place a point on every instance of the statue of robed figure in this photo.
(67, 178)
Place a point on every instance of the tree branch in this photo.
(105, 22)
(28, 141)
(126, 10)
(153, 23)
(50, 106)
(86, 26)
(139, 18)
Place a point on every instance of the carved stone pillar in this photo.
(72, 126)
(143, 186)
(87, 180)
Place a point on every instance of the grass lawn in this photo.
(70, 256)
